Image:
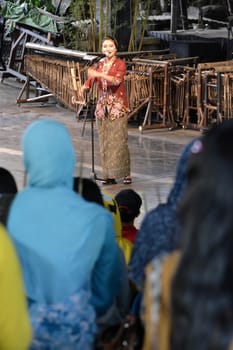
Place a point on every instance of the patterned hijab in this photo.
(160, 230)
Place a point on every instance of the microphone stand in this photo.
(93, 173)
(92, 104)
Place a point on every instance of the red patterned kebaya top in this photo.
(117, 70)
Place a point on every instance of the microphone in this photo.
(95, 59)
(98, 58)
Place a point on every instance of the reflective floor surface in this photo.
(154, 152)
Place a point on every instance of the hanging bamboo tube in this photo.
(76, 82)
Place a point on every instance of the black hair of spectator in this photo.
(88, 189)
(129, 203)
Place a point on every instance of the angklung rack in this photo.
(49, 69)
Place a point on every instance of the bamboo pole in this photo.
(134, 26)
(107, 17)
(101, 23)
(145, 22)
(93, 15)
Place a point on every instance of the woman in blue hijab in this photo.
(70, 260)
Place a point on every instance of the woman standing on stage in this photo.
(111, 113)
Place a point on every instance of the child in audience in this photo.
(125, 244)
(129, 204)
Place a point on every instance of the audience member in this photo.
(125, 244)
(92, 192)
(69, 273)
(159, 273)
(160, 230)
(14, 319)
(188, 293)
(156, 300)
(8, 190)
(88, 189)
(202, 289)
(129, 204)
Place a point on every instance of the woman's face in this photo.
(109, 48)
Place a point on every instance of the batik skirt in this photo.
(114, 150)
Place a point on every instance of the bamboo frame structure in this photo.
(170, 88)
(50, 69)
(54, 76)
(215, 92)
(161, 90)
(155, 94)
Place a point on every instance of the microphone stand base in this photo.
(95, 177)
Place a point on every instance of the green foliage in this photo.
(80, 9)
(77, 36)
(87, 33)
(45, 4)
(92, 32)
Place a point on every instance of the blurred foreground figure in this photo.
(70, 260)
(14, 320)
(202, 292)
(189, 293)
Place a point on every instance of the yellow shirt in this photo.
(15, 329)
(125, 245)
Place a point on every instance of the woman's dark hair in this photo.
(7, 182)
(109, 37)
(88, 189)
(8, 190)
(202, 289)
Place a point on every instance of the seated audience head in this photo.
(88, 189)
(8, 189)
(45, 142)
(129, 204)
(7, 182)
